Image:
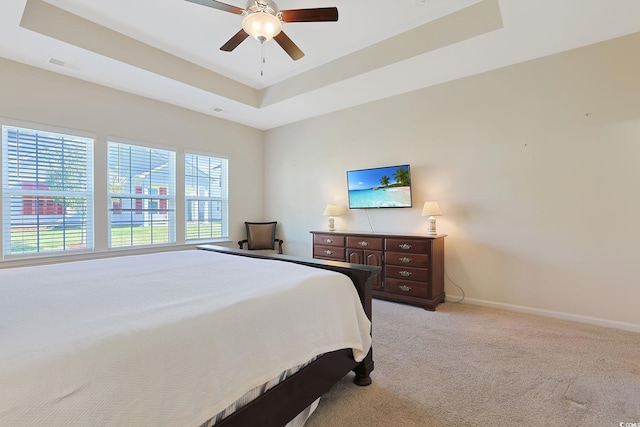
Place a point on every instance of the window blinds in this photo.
(47, 199)
(141, 195)
(206, 193)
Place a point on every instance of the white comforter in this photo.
(167, 339)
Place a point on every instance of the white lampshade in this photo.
(262, 26)
(331, 210)
(431, 209)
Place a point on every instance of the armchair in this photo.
(261, 236)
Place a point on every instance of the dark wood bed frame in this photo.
(282, 403)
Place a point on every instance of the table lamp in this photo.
(431, 209)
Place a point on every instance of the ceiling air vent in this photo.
(64, 64)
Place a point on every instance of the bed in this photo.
(176, 338)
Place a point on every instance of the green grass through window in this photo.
(25, 241)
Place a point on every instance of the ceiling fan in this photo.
(263, 21)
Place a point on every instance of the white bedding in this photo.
(167, 339)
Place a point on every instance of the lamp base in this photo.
(331, 224)
(431, 226)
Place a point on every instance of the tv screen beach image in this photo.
(386, 187)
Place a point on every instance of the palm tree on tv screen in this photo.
(402, 176)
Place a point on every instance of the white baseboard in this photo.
(548, 313)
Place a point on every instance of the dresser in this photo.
(412, 265)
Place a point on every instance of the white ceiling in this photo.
(168, 50)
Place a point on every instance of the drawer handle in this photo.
(404, 288)
(404, 273)
(404, 259)
(328, 252)
(363, 243)
(405, 246)
(328, 241)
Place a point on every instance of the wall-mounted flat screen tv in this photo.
(384, 187)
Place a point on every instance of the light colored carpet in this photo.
(466, 365)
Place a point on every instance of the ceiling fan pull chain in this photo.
(263, 60)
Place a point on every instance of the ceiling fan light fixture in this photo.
(262, 26)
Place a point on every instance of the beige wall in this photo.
(536, 167)
(40, 97)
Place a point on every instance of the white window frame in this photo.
(206, 197)
(43, 217)
(142, 204)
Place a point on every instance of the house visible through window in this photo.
(206, 191)
(47, 185)
(48, 194)
(141, 195)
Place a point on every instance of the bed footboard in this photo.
(282, 403)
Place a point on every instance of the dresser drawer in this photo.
(328, 252)
(369, 243)
(405, 287)
(328, 240)
(407, 245)
(407, 259)
(408, 273)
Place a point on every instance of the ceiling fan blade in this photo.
(320, 14)
(289, 46)
(235, 41)
(219, 5)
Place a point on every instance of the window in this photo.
(47, 192)
(141, 195)
(206, 192)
